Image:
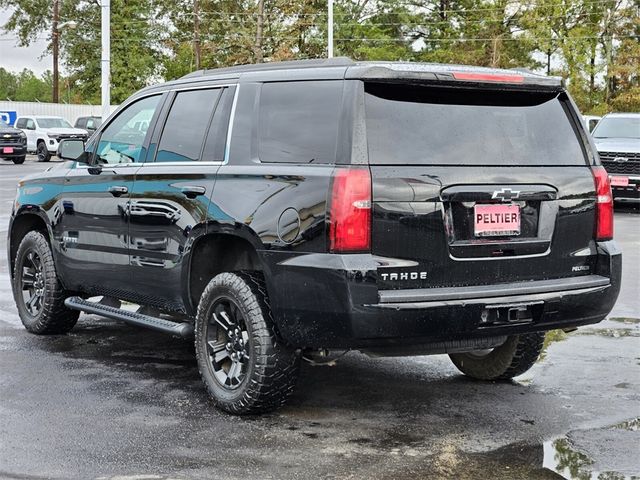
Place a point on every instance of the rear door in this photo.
(170, 198)
(477, 187)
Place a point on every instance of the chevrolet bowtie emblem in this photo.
(505, 195)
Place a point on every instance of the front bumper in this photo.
(332, 301)
(628, 193)
(18, 150)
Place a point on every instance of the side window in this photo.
(186, 125)
(90, 124)
(122, 141)
(21, 123)
(31, 124)
(298, 121)
(214, 147)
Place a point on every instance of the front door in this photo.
(93, 228)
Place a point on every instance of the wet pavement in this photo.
(112, 401)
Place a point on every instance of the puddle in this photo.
(630, 425)
(610, 332)
(561, 457)
(552, 336)
(627, 320)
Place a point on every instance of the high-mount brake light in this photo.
(350, 211)
(488, 77)
(604, 204)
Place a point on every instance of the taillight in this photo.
(488, 77)
(604, 204)
(350, 211)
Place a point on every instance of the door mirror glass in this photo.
(71, 149)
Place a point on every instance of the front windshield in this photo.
(618, 127)
(53, 123)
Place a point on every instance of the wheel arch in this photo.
(23, 223)
(216, 252)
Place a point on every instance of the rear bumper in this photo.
(332, 301)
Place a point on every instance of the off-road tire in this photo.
(42, 152)
(514, 357)
(19, 160)
(272, 368)
(53, 317)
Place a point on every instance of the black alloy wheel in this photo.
(42, 152)
(228, 344)
(33, 285)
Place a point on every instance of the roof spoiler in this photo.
(453, 74)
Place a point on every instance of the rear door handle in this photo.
(192, 191)
(117, 190)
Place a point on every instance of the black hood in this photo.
(8, 129)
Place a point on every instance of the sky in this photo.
(15, 58)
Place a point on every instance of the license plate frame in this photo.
(496, 220)
(7, 150)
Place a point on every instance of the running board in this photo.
(184, 329)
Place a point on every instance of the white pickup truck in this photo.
(45, 132)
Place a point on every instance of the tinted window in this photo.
(21, 123)
(186, 125)
(421, 125)
(122, 141)
(298, 121)
(214, 147)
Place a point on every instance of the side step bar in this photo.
(184, 329)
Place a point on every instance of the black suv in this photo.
(13, 144)
(90, 124)
(294, 210)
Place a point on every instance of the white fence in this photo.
(10, 110)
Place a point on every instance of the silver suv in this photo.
(617, 138)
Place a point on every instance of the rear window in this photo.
(417, 125)
(298, 121)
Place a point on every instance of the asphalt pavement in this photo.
(112, 401)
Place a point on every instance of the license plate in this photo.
(496, 220)
(619, 181)
(8, 149)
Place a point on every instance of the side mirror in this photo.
(71, 149)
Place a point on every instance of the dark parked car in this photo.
(90, 124)
(290, 211)
(13, 144)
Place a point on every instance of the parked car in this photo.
(13, 144)
(590, 121)
(617, 138)
(90, 124)
(44, 132)
(288, 211)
